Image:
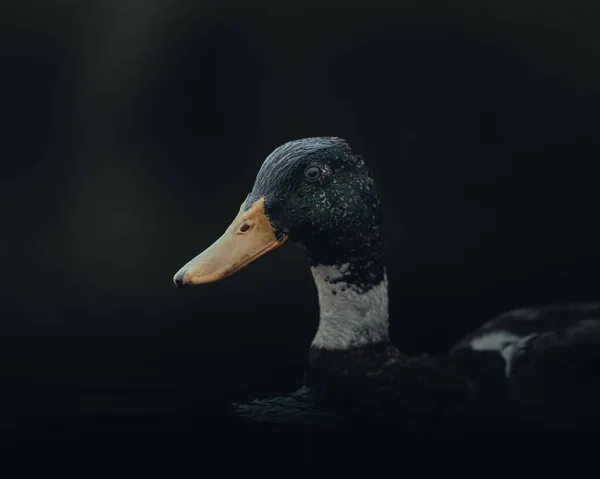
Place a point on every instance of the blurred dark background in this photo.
(133, 129)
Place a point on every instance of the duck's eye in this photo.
(313, 173)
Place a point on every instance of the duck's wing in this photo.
(551, 354)
(518, 335)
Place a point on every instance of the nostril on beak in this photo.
(178, 279)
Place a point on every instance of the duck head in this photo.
(318, 193)
(315, 192)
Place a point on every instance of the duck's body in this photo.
(503, 375)
(320, 194)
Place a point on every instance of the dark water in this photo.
(88, 404)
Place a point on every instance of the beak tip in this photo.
(178, 279)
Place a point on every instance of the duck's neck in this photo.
(353, 301)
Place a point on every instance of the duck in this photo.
(319, 193)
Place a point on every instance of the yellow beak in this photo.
(247, 238)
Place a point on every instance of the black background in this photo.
(132, 131)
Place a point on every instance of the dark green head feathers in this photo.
(321, 193)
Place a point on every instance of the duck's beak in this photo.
(248, 237)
